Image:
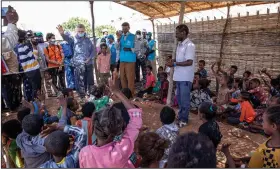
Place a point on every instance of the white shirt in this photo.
(185, 51)
(9, 38)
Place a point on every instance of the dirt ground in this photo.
(243, 142)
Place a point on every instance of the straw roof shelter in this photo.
(165, 9)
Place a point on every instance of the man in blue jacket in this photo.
(126, 44)
(82, 60)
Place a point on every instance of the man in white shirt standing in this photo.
(183, 72)
(10, 37)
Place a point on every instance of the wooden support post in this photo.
(268, 11)
(94, 40)
(222, 42)
(170, 89)
(154, 32)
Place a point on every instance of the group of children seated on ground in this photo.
(240, 100)
(110, 134)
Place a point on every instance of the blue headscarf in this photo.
(111, 37)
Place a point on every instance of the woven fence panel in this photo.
(251, 42)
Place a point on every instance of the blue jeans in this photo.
(183, 98)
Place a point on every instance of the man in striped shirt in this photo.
(28, 63)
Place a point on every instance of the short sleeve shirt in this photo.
(185, 51)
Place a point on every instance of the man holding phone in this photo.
(10, 37)
(126, 45)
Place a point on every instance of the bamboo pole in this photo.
(222, 43)
(94, 39)
(154, 32)
(170, 89)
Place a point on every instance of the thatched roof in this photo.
(165, 9)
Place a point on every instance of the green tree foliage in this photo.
(98, 30)
(71, 24)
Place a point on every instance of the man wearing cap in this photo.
(126, 45)
(152, 52)
(113, 51)
(141, 46)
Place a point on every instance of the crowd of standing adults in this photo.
(48, 62)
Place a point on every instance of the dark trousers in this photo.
(140, 64)
(148, 91)
(84, 81)
(69, 72)
(35, 80)
(56, 73)
(11, 91)
(233, 118)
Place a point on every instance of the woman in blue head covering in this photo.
(113, 51)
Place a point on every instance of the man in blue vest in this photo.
(152, 52)
(127, 57)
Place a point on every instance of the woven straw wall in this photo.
(251, 42)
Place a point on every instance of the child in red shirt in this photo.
(164, 87)
(150, 82)
(258, 91)
(247, 114)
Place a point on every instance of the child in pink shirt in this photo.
(107, 124)
(103, 63)
(150, 82)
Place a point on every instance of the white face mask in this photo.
(138, 36)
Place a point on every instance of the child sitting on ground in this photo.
(223, 96)
(168, 131)
(66, 93)
(258, 91)
(10, 130)
(107, 124)
(195, 85)
(31, 143)
(151, 149)
(97, 97)
(192, 150)
(210, 128)
(156, 89)
(201, 94)
(268, 153)
(86, 123)
(150, 82)
(257, 125)
(57, 142)
(247, 114)
(163, 87)
(201, 70)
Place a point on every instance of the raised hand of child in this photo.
(264, 70)
(225, 148)
(49, 129)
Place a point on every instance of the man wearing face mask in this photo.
(55, 57)
(141, 46)
(82, 60)
(126, 45)
(29, 65)
(151, 54)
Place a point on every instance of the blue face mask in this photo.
(81, 34)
